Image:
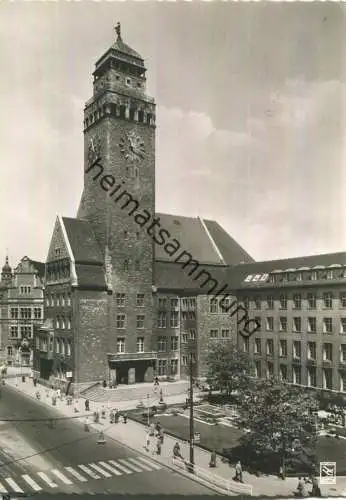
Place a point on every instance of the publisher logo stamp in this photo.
(327, 472)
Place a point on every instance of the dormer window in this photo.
(57, 252)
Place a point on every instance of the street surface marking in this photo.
(13, 485)
(90, 473)
(109, 467)
(151, 464)
(136, 462)
(3, 489)
(76, 474)
(31, 482)
(101, 471)
(46, 479)
(120, 467)
(123, 461)
(61, 476)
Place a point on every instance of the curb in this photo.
(95, 430)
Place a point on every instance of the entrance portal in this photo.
(131, 372)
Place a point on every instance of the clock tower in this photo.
(119, 138)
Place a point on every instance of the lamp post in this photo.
(191, 440)
(148, 405)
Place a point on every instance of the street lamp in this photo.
(191, 440)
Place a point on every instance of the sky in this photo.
(251, 100)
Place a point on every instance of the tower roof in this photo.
(6, 268)
(120, 46)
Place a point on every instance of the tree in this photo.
(281, 422)
(228, 369)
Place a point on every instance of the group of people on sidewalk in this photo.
(302, 491)
(155, 433)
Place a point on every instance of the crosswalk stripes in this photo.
(81, 473)
(76, 474)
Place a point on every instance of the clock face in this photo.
(132, 147)
(94, 150)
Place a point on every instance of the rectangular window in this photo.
(283, 348)
(312, 379)
(120, 345)
(327, 378)
(140, 344)
(342, 325)
(225, 305)
(283, 302)
(191, 315)
(25, 331)
(257, 346)
(269, 324)
(342, 299)
(69, 299)
(120, 320)
(270, 347)
(270, 369)
(283, 373)
(246, 302)
(343, 353)
(140, 300)
(297, 301)
(14, 312)
(25, 313)
(327, 352)
(140, 321)
(174, 304)
(311, 301)
(25, 290)
(174, 343)
(312, 325)
(184, 360)
(68, 348)
(174, 319)
(184, 338)
(162, 303)
(257, 301)
(225, 333)
(174, 367)
(257, 369)
(192, 334)
(63, 301)
(312, 350)
(120, 299)
(327, 325)
(14, 331)
(213, 334)
(162, 367)
(270, 302)
(283, 324)
(296, 372)
(327, 300)
(162, 344)
(162, 319)
(297, 324)
(213, 305)
(297, 349)
(37, 313)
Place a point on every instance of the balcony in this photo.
(131, 356)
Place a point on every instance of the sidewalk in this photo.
(133, 435)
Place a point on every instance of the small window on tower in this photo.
(128, 82)
(140, 116)
(117, 77)
(139, 84)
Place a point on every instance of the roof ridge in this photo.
(216, 248)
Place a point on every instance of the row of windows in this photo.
(25, 290)
(26, 312)
(296, 378)
(24, 330)
(297, 300)
(62, 323)
(62, 346)
(163, 344)
(121, 299)
(167, 367)
(298, 325)
(59, 299)
(214, 333)
(326, 349)
(186, 303)
(120, 321)
(189, 335)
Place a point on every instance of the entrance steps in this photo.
(134, 392)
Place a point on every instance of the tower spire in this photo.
(118, 32)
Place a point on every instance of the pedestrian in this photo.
(212, 462)
(176, 451)
(156, 382)
(147, 441)
(87, 405)
(125, 418)
(158, 426)
(301, 488)
(103, 412)
(112, 417)
(101, 438)
(152, 429)
(238, 472)
(158, 446)
(161, 434)
(315, 492)
(281, 473)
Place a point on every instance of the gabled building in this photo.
(21, 308)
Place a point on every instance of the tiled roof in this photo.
(84, 245)
(231, 251)
(120, 46)
(171, 276)
(39, 266)
(237, 274)
(193, 238)
(91, 276)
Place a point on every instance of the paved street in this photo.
(68, 459)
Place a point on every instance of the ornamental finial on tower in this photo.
(118, 31)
